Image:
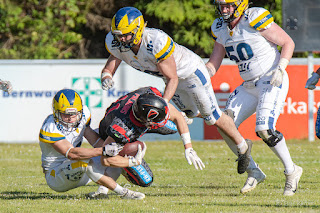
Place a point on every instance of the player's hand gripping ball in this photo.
(131, 149)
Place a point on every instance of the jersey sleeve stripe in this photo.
(88, 121)
(213, 36)
(263, 20)
(107, 47)
(48, 137)
(166, 51)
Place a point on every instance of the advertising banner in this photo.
(35, 82)
(293, 121)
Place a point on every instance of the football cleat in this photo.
(255, 176)
(128, 194)
(244, 159)
(97, 195)
(292, 181)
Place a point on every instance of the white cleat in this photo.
(292, 181)
(255, 176)
(188, 120)
(132, 195)
(97, 195)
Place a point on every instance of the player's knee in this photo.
(94, 171)
(230, 113)
(270, 137)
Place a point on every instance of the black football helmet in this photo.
(151, 110)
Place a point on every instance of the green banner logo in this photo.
(90, 90)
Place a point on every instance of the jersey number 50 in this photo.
(242, 52)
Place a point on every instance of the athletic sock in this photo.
(281, 150)
(119, 190)
(242, 147)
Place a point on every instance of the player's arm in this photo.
(278, 36)
(182, 126)
(168, 69)
(216, 58)
(65, 148)
(190, 154)
(108, 71)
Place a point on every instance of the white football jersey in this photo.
(156, 45)
(52, 132)
(244, 44)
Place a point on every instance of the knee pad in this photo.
(270, 137)
(95, 170)
(139, 175)
(230, 113)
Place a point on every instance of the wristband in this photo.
(68, 152)
(283, 63)
(185, 137)
(105, 74)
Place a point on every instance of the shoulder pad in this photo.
(259, 18)
(87, 115)
(215, 27)
(111, 44)
(49, 132)
(163, 45)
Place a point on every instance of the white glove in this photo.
(193, 158)
(6, 86)
(277, 77)
(312, 81)
(107, 83)
(111, 149)
(137, 160)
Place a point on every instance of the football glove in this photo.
(107, 84)
(277, 77)
(193, 158)
(111, 149)
(137, 160)
(6, 86)
(312, 81)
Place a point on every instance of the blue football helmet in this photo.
(128, 20)
(67, 101)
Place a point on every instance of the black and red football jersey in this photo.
(119, 121)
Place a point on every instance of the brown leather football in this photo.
(131, 149)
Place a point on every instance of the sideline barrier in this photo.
(35, 82)
(293, 121)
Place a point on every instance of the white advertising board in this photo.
(35, 83)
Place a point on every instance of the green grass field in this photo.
(177, 186)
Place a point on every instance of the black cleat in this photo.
(244, 159)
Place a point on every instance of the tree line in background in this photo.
(76, 29)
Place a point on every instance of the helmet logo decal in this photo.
(152, 114)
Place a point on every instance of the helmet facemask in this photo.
(71, 112)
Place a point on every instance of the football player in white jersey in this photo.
(187, 80)
(65, 164)
(6, 86)
(250, 38)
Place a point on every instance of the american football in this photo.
(131, 149)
